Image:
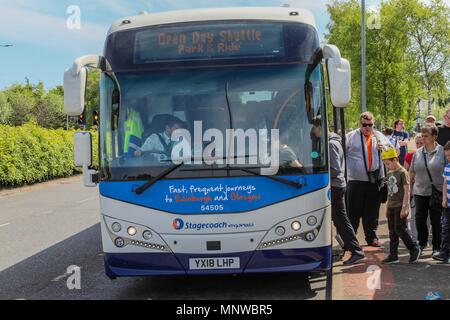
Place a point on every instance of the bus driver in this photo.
(161, 144)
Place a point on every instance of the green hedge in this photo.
(31, 154)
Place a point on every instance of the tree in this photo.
(22, 100)
(344, 30)
(394, 82)
(22, 106)
(390, 79)
(30, 102)
(58, 90)
(430, 42)
(49, 111)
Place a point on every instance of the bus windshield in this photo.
(140, 111)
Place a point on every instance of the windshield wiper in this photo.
(153, 180)
(136, 178)
(275, 178)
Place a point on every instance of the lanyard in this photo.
(364, 153)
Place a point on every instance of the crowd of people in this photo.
(414, 185)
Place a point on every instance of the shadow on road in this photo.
(42, 276)
(226, 287)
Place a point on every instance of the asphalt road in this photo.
(44, 229)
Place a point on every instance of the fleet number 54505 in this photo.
(217, 207)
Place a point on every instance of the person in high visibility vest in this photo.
(134, 129)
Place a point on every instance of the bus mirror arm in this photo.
(332, 52)
(93, 61)
(83, 157)
(90, 177)
(75, 80)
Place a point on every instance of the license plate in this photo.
(214, 263)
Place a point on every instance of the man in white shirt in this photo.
(161, 144)
(364, 163)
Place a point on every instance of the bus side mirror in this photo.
(339, 76)
(75, 80)
(74, 91)
(83, 157)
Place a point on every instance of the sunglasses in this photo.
(365, 125)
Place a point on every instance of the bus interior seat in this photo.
(159, 123)
(159, 104)
(159, 108)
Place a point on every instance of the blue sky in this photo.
(44, 47)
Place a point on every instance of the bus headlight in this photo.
(296, 225)
(147, 234)
(116, 227)
(312, 221)
(131, 231)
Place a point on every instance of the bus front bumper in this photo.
(285, 260)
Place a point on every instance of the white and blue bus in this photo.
(209, 72)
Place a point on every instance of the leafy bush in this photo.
(31, 154)
(5, 109)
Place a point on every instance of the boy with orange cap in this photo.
(398, 208)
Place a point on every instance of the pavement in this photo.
(46, 228)
(370, 280)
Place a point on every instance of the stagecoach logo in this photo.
(178, 224)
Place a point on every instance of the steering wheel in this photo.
(283, 106)
(152, 152)
(153, 156)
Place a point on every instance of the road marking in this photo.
(4, 225)
(40, 214)
(86, 200)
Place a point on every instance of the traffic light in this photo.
(95, 118)
(82, 118)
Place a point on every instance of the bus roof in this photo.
(214, 14)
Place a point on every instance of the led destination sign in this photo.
(209, 42)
